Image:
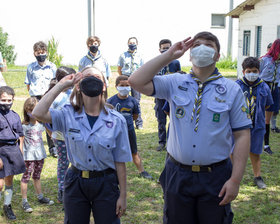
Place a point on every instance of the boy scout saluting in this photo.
(206, 110)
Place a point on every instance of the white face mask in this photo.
(202, 56)
(252, 77)
(123, 90)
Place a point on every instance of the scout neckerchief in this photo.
(251, 99)
(165, 70)
(276, 63)
(197, 102)
(93, 59)
(132, 54)
(12, 140)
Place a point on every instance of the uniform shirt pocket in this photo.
(218, 112)
(182, 107)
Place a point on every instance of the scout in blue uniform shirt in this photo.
(95, 58)
(173, 67)
(38, 77)
(97, 144)
(10, 155)
(270, 73)
(129, 62)
(129, 108)
(199, 181)
(258, 98)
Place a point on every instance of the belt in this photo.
(92, 174)
(8, 142)
(198, 168)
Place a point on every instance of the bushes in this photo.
(53, 56)
(226, 63)
(6, 50)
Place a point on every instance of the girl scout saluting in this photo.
(97, 146)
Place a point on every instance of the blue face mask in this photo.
(132, 47)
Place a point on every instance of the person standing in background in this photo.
(130, 61)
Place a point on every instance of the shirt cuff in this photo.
(242, 128)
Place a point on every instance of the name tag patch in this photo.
(216, 117)
(180, 112)
(73, 130)
(182, 88)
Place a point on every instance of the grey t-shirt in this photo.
(33, 145)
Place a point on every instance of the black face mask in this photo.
(41, 57)
(91, 86)
(93, 49)
(5, 107)
(132, 47)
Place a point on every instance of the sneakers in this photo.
(8, 212)
(60, 196)
(53, 152)
(258, 181)
(161, 147)
(275, 130)
(146, 175)
(268, 150)
(46, 201)
(140, 127)
(26, 207)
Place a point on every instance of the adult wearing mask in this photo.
(130, 61)
(206, 110)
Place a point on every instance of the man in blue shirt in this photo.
(38, 78)
(129, 62)
(172, 67)
(206, 110)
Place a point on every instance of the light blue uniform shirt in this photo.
(97, 148)
(98, 62)
(62, 99)
(39, 77)
(125, 62)
(267, 67)
(222, 110)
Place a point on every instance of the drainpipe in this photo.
(230, 30)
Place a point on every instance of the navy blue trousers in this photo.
(99, 195)
(161, 119)
(192, 198)
(137, 96)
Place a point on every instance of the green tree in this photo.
(6, 49)
(53, 55)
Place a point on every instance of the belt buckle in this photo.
(195, 168)
(85, 174)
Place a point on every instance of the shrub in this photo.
(6, 49)
(227, 63)
(53, 55)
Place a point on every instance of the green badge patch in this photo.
(216, 117)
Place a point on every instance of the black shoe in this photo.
(161, 147)
(53, 152)
(258, 181)
(268, 150)
(8, 212)
(146, 175)
(46, 201)
(60, 196)
(275, 130)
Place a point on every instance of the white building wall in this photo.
(265, 14)
(27, 22)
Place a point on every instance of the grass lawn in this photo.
(144, 201)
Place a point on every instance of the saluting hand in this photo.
(178, 49)
(71, 80)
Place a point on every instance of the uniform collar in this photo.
(45, 65)
(84, 120)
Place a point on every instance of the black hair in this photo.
(251, 62)
(208, 36)
(8, 90)
(165, 41)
